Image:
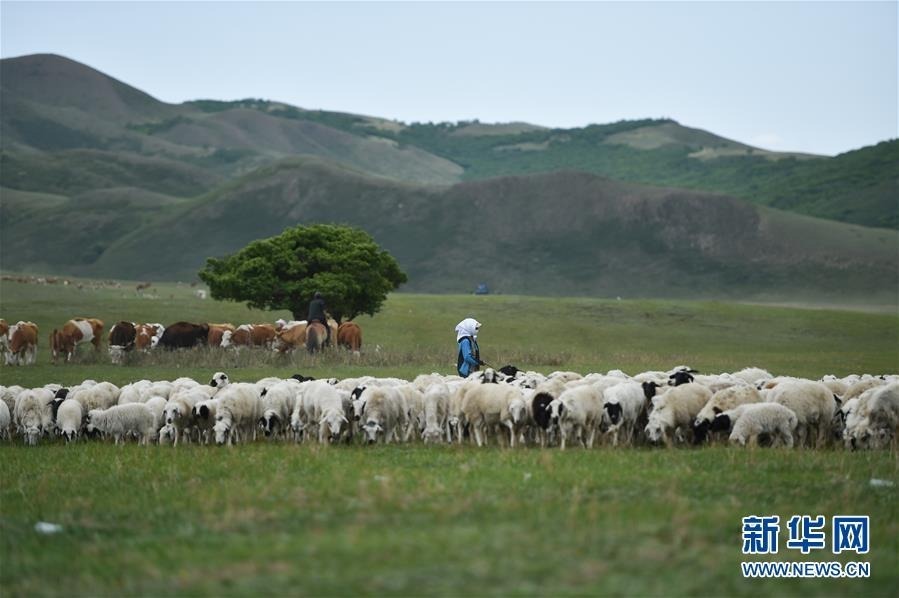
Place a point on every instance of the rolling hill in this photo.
(548, 234)
(101, 179)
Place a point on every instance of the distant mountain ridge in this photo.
(644, 207)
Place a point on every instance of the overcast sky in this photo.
(817, 77)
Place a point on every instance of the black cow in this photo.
(123, 334)
(184, 334)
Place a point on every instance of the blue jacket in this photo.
(469, 356)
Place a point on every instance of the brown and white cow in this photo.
(290, 336)
(249, 335)
(121, 340)
(73, 333)
(22, 344)
(147, 335)
(216, 331)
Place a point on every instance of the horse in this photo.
(349, 335)
(316, 336)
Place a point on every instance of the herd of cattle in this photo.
(19, 342)
(510, 407)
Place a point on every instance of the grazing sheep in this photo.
(413, 408)
(278, 402)
(156, 405)
(5, 421)
(69, 419)
(32, 415)
(204, 413)
(239, 409)
(578, 413)
(752, 421)
(333, 422)
(120, 421)
(8, 395)
(721, 401)
(486, 408)
(674, 411)
(814, 406)
(874, 422)
(383, 413)
(98, 396)
(436, 408)
(219, 380)
(753, 376)
(625, 406)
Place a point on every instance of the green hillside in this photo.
(553, 234)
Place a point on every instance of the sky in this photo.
(817, 77)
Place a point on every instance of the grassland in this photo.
(414, 520)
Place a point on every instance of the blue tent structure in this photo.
(482, 289)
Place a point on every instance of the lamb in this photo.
(578, 413)
(752, 421)
(624, 405)
(814, 406)
(436, 408)
(721, 401)
(674, 411)
(383, 413)
(120, 421)
(69, 418)
(486, 407)
(238, 411)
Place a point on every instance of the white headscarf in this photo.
(467, 327)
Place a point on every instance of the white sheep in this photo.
(436, 408)
(874, 423)
(486, 409)
(33, 414)
(333, 422)
(278, 402)
(624, 406)
(722, 401)
(69, 419)
(752, 420)
(814, 406)
(383, 413)
(237, 414)
(578, 413)
(156, 405)
(204, 414)
(5, 421)
(674, 411)
(413, 407)
(120, 421)
(102, 395)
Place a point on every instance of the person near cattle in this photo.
(317, 314)
(469, 358)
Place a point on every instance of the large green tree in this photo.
(283, 272)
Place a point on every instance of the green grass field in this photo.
(415, 520)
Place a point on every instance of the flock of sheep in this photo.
(510, 407)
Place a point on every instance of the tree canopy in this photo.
(343, 263)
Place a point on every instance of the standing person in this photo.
(469, 358)
(317, 314)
